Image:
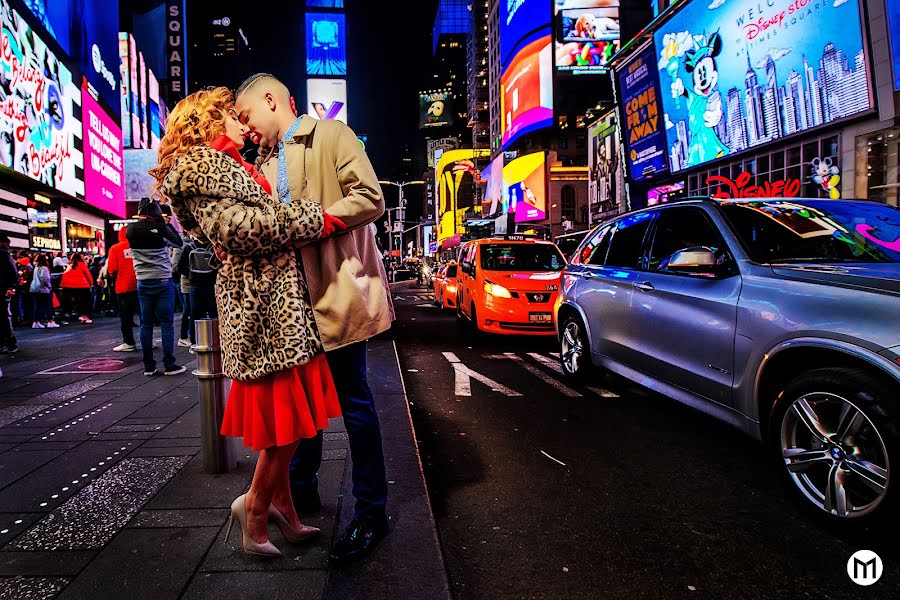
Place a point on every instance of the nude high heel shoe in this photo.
(288, 531)
(239, 512)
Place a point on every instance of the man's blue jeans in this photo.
(348, 367)
(157, 300)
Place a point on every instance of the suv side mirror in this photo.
(699, 261)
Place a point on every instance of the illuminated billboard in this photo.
(138, 181)
(741, 74)
(521, 23)
(495, 200)
(325, 3)
(104, 167)
(86, 30)
(327, 99)
(125, 88)
(642, 131)
(455, 178)
(40, 131)
(526, 183)
(587, 35)
(526, 91)
(435, 109)
(606, 182)
(893, 16)
(326, 44)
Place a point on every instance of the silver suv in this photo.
(780, 317)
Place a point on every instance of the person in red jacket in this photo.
(120, 266)
(76, 284)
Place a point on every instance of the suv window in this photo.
(627, 241)
(680, 228)
(594, 251)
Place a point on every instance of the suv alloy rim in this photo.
(571, 347)
(834, 454)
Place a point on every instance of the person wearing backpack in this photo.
(183, 287)
(197, 262)
(41, 288)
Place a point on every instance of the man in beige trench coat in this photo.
(323, 160)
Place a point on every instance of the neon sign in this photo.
(740, 188)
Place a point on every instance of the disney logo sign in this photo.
(101, 67)
(740, 188)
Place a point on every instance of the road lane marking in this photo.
(556, 460)
(464, 376)
(550, 363)
(560, 387)
(425, 306)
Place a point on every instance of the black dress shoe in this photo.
(306, 502)
(358, 541)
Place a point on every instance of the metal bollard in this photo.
(219, 453)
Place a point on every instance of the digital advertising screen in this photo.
(435, 109)
(526, 91)
(154, 123)
(40, 135)
(104, 165)
(456, 177)
(134, 93)
(526, 184)
(521, 23)
(325, 3)
(327, 99)
(893, 16)
(326, 44)
(137, 179)
(87, 30)
(739, 74)
(606, 181)
(125, 88)
(639, 100)
(587, 35)
(495, 200)
(142, 82)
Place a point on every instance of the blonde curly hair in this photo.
(198, 119)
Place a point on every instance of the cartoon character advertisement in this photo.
(40, 136)
(645, 141)
(735, 74)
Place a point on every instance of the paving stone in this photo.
(89, 423)
(64, 412)
(4, 446)
(140, 564)
(91, 518)
(38, 487)
(179, 518)
(11, 414)
(31, 588)
(173, 404)
(18, 463)
(62, 387)
(303, 585)
(335, 454)
(47, 445)
(192, 488)
(150, 421)
(45, 564)
(186, 426)
(12, 524)
(189, 451)
(120, 428)
(127, 435)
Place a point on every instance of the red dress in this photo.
(281, 408)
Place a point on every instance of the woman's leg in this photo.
(271, 470)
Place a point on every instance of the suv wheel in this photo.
(835, 431)
(574, 350)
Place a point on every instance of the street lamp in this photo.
(399, 185)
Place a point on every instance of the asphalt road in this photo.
(614, 492)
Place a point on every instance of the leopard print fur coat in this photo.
(266, 321)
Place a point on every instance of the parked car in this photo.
(509, 284)
(778, 316)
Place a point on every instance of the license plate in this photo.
(540, 317)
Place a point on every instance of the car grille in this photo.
(539, 297)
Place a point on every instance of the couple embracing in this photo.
(300, 289)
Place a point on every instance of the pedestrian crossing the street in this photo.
(541, 366)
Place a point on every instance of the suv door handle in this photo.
(587, 275)
(645, 286)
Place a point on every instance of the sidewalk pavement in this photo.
(103, 494)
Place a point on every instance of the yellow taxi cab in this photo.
(437, 275)
(445, 288)
(509, 284)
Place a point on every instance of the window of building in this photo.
(567, 201)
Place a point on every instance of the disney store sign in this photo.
(742, 187)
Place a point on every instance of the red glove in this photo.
(332, 225)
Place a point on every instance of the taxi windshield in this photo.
(521, 257)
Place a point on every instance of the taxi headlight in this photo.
(496, 290)
(451, 289)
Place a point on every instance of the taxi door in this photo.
(466, 280)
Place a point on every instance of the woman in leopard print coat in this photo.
(282, 389)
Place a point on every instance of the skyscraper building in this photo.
(478, 93)
(774, 131)
(737, 122)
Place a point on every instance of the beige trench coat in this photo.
(347, 281)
